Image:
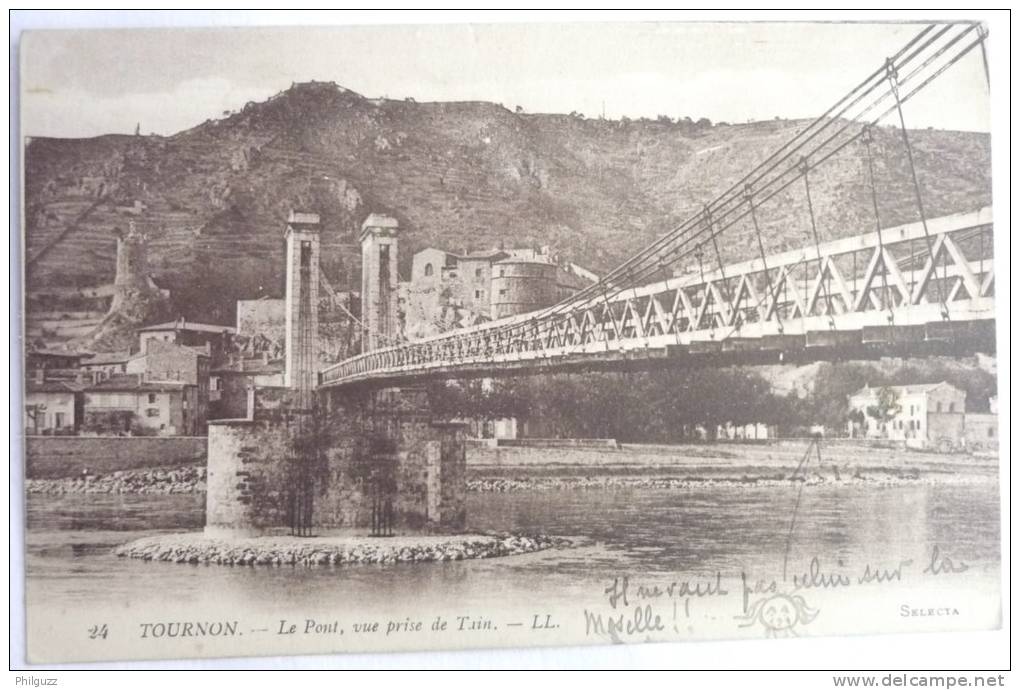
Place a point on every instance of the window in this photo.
(58, 420)
(306, 255)
(952, 407)
(478, 294)
(185, 404)
(502, 293)
(478, 273)
(991, 432)
(152, 412)
(428, 270)
(152, 398)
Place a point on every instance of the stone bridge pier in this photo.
(307, 459)
(351, 455)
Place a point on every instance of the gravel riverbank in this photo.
(181, 480)
(613, 482)
(191, 480)
(332, 550)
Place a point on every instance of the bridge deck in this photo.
(861, 296)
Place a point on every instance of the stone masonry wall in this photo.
(361, 447)
(67, 456)
(247, 477)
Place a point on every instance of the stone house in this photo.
(126, 403)
(52, 359)
(927, 413)
(111, 363)
(52, 407)
(449, 290)
(230, 383)
(190, 333)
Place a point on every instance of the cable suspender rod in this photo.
(822, 272)
(893, 78)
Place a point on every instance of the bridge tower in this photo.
(301, 304)
(379, 282)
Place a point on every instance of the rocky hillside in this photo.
(213, 199)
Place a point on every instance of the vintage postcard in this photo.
(431, 337)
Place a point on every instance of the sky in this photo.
(86, 83)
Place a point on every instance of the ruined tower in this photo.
(379, 282)
(301, 304)
(132, 259)
(132, 277)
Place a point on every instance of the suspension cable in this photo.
(692, 228)
(729, 201)
(983, 33)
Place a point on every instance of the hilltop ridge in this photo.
(212, 199)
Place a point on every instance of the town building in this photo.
(921, 414)
(110, 363)
(190, 333)
(229, 384)
(125, 392)
(52, 407)
(449, 290)
(127, 404)
(262, 319)
(53, 359)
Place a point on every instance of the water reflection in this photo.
(637, 531)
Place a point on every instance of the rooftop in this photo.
(182, 325)
(48, 352)
(253, 365)
(51, 387)
(302, 218)
(132, 383)
(109, 358)
(380, 220)
(910, 389)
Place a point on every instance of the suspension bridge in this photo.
(918, 289)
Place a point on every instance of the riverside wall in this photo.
(68, 456)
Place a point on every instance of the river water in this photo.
(726, 535)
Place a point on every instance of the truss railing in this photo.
(904, 275)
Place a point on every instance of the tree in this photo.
(887, 405)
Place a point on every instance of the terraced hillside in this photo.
(213, 199)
